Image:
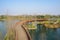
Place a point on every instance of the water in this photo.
(42, 33)
(2, 29)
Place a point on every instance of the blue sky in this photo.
(30, 7)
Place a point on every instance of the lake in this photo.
(2, 29)
(41, 33)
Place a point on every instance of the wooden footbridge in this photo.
(21, 32)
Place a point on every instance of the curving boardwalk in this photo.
(21, 32)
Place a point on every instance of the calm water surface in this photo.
(41, 33)
(2, 29)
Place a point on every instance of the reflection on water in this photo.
(2, 29)
(42, 33)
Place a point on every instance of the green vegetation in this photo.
(2, 17)
(30, 25)
(10, 35)
(0, 35)
(22, 17)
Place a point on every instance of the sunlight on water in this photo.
(45, 33)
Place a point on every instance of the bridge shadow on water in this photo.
(43, 33)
